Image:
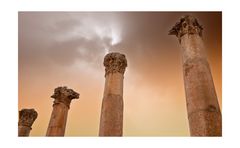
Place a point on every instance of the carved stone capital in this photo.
(64, 95)
(187, 25)
(115, 62)
(27, 117)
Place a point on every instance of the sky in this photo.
(68, 48)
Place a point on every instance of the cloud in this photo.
(65, 37)
(59, 39)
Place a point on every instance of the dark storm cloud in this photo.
(62, 38)
(47, 38)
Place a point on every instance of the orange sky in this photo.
(67, 49)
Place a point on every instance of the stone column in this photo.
(26, 119)
(204, 113)
(63, 97)
(111, 122)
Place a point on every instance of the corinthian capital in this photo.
(187, 25)
(115, 62)
(64, 95)
(27, 117)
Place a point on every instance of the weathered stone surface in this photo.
(112, 116)
(57, 124)
(26, 120)
(202, 105)
(24, 131)
(192, 47)
(114, 84)
(115, 62)
(186, 25)
(210, 121)
(111, 121)
(64, 95)
(199, 88)
(61, 105)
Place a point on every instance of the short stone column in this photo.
(63, 97)
(26, 120)
(111, 122)
(204, 113)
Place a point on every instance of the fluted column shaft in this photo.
(61, 105)
(111, 122)
(26, 120)
(204, 113)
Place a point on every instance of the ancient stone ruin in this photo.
(61, 104)
(204, 113)
(26, 120)
(111, 122)
(203, 110)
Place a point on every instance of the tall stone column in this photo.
(26, 120)
(204, 113)
(111, 122)
(63, 97)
